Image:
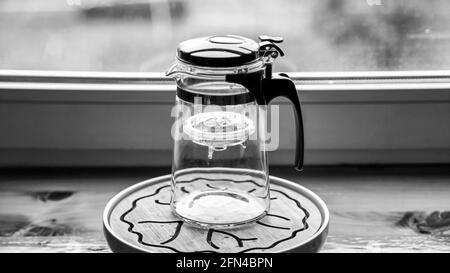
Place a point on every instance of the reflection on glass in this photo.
(138, 35)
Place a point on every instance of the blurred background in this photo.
(377, 150)
(142, 35)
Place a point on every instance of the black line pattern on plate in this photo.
(183, 189)
(211, 231)
(177, 229)
(131, 225)
(215, 188)
(161, 203)
(294, 233)
(238, 240)
(271, 226)
(278, 216)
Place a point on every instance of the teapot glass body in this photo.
(220, 173)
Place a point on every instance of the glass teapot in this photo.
(220, 170)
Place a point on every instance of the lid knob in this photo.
(268, 47)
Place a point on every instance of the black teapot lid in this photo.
(218, 51)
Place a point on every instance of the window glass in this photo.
(139, 35)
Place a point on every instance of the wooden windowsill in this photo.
(373, 209)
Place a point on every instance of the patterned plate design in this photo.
(139, 219)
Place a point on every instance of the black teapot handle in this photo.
(280, 85)
(266, 89)
(265, 86)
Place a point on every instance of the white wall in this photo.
(60, 127)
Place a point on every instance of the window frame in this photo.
(425, 90)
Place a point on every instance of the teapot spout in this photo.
(173, 71)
